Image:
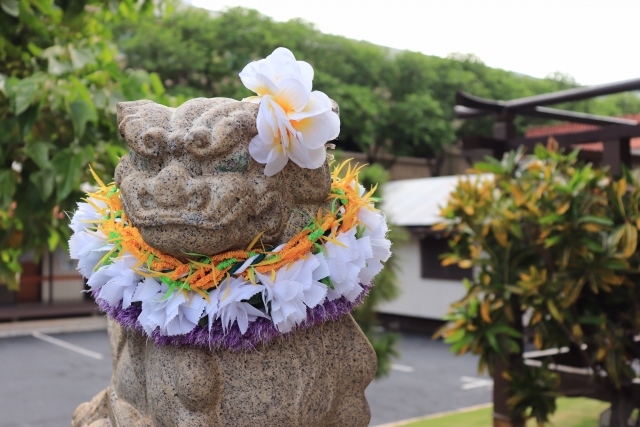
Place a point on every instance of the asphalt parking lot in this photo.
(42, 380)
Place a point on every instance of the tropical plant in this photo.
(61, 76)
(556, 240)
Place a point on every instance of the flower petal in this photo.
(259, 150)
(276, 161)
(292, 95)
(282, 64)
(317, 130)
(322, 270)
(298, 153)
(279, 58)
(248, 76)
(318, 103)
(317, 157)
(306, 74)
(264, 85)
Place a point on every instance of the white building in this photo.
(427, 288)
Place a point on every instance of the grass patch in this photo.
(571, 412)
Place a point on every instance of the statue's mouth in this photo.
(208, 203)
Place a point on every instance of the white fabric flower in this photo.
(376, 231)
(88, 247)
(226, 303)
(84, 213)
(176, 315)
(291, 291)
(117, 281)
(293, 122)
(344, 263)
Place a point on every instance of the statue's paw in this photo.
(91, 414)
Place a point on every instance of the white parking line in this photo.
(401, 368)
(68, 346)
(471, 383)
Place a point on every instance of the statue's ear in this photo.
(125, 108)
(143, 125)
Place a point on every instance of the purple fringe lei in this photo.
(260, 332)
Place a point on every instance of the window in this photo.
(431, 247)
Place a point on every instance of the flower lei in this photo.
(325, 268)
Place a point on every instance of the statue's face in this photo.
(190, 185)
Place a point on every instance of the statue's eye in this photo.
(214, 140)
(152, 143)
(239, 162)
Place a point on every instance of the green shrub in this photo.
(556, 240)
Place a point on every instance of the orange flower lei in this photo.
(207, 272)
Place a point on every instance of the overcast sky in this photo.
(594, 41)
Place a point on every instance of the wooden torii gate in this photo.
(615, 134)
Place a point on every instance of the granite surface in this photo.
(190, 185)
(315, 378)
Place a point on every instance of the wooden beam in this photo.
(467, 100)
(463, 112)
(576, 94)
(575, 117)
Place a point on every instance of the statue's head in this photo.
(190, 185)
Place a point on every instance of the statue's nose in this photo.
(170, 186)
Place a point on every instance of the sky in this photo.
(593, 41)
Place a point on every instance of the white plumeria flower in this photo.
(88, 247)
(226, 303)
(117, 281)
(344, 263)
(176, 315)
(84, 214)
(290, 291)
(293, 122)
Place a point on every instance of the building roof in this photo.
(547, 130)
(417, 202)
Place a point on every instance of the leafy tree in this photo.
(60, 78)
(557, 240)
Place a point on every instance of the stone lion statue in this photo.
(190, 186)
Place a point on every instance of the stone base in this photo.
(315, 378)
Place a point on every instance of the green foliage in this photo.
(60, 79)
(557, 240)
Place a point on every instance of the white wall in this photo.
(426, 298)
(67, 284)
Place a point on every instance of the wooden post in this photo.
(616, 153)
(503, 128)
